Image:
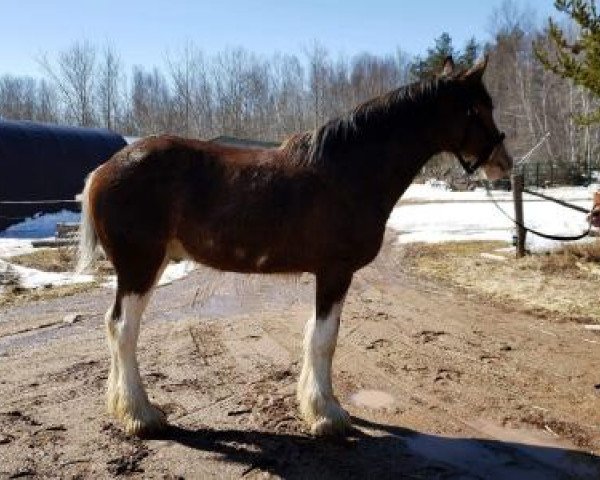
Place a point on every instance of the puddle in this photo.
(511, 454)
(371, 399)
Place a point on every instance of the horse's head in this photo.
(476, 140)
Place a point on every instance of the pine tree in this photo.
(578, 60)
(432, 64)
(470, 53)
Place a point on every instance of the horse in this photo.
(318, 204)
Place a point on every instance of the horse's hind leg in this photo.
(126, 398)
(318, 405)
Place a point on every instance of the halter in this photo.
(496, 139)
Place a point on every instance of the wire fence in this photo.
(546, 174)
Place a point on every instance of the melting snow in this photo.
(33, 278)
(433, 215)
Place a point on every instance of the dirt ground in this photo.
(441, 382)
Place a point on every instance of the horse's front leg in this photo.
(318, 405)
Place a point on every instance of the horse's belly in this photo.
(255, 258)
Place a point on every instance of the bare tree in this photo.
(152, 109)
(46, 109)
(108, 87)
(229, 78)
(73, 75)
(318, 71)
(193, 91)
(17, 97)
(289, 94)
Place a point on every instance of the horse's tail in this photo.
(88, 240)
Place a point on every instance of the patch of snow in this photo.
(10, 247)
(33, 278)
(423, 192)
(174, 271)
(459, 216)
(438, 184)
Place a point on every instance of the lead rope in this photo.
(567, 238)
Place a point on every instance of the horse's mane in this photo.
(366, 122)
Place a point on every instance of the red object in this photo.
(595, 215)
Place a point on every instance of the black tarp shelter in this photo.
(41, 163)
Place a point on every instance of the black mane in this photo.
(372, 119)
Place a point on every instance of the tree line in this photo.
(236, 92)
(233, 92)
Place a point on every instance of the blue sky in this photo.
(143, 32)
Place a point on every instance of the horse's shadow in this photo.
(396, 453)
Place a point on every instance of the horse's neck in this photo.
(389, 168)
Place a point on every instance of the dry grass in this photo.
(564, 283)
(61, 259)
(17, 295)
(48, 259)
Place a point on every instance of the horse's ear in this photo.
(475, 73)
(448, 68)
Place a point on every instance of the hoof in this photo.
(144, 421)
(327, 426)
(330, 419)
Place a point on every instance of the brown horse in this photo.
(317, 204)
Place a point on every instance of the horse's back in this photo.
(230, 208)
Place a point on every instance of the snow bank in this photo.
(10, 247)
(432, 215)
(32, 278)
(420, 192)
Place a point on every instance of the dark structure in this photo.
(41, 163)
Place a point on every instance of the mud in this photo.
(439, 383)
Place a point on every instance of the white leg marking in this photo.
(127, 399)
(112, 397)
(318, 405)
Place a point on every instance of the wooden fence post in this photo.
(517, 189)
